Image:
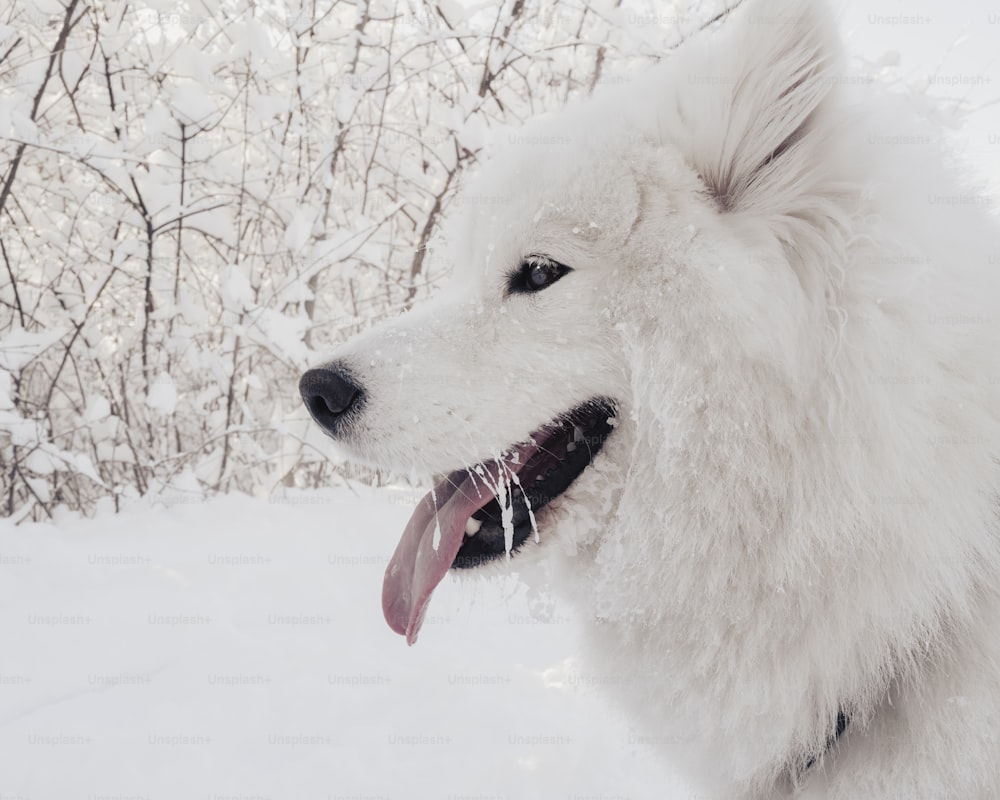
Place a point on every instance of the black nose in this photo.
(329, 393)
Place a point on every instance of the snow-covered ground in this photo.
(234, 649)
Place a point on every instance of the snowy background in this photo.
(196, 202)
(235, 648)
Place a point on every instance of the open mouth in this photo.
(487, 511)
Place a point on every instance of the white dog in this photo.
(722, 351)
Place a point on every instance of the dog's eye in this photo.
(534, 274)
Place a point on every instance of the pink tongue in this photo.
(418, 566)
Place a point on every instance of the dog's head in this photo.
(603, 259)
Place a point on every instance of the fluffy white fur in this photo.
(797, 513)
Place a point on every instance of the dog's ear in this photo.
(750, 96)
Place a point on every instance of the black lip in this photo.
(546, 476)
